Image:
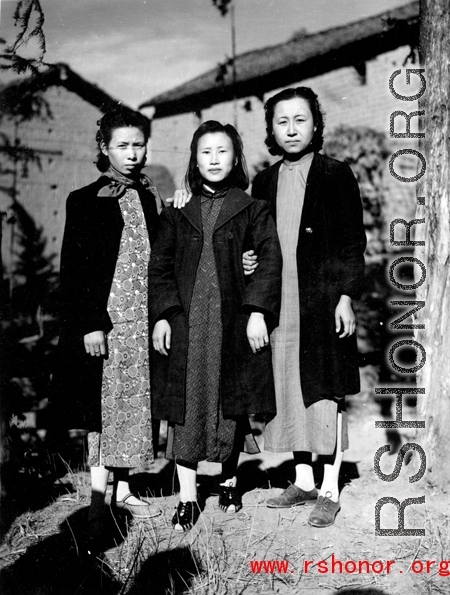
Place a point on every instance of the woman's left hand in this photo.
(345, 317)
(257, 334)
(180, 198)
(249, 262)
(161, 337)
(94, 343)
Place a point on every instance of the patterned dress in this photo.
(295, 427)
(126, 437)
(205, 435)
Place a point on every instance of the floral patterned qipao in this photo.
(126, 440)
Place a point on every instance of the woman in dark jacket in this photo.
(102, 381)
(317, 208)
(212, 365)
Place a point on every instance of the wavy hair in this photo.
(316, 110)
(118, 117)
(238, 176)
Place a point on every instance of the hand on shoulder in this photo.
(180, 198)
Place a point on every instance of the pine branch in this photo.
(23, 14)
(18, 153)
(21, 65)
(22, 18)
(222, 6)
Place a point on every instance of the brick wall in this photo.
(346, 99)
(65, 145)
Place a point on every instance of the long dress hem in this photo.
(126, 437)
(296, 427)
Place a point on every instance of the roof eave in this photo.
(400, 33)
(58, 75)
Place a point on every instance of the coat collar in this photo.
(315, 177)
(192, 212)
(235, 201)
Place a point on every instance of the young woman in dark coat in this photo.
(102, 381)
(317, 208)
(212, 364)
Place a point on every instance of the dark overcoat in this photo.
(330, 261)
(89, 254)
(246, 380)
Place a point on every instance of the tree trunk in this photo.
(434, 186)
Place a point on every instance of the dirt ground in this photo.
(42, 551)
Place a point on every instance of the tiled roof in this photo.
(309, 55)
(57, 75)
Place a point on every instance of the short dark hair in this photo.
(316, 109)
(238, 176)
(118, 117)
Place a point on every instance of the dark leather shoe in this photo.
(230, 499)
(324, 512)
(293, 496)
(186, 516)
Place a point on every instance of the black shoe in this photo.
(230, 499)
(185, 517)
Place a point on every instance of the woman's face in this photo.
(126, 150)
(215, 157)
(293, 125)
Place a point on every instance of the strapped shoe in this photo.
(144, 510)
(230, 499)
(293, 496)
(324, 512)
(185, 517)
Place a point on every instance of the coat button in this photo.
(230, 236)
(308, 230)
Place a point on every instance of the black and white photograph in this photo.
(225, 297)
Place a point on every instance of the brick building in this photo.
(62, 138)
(347, 66)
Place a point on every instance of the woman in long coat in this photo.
(246, 379)
(316, 204)
(90, 251)
(102, 380)
(212, 364)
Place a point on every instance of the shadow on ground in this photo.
(59, 563)
(166, 572)
(251, 476)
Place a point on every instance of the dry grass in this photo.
(42, 552)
